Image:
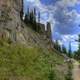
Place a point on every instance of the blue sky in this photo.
(64, 16)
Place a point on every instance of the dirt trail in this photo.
(76, 70)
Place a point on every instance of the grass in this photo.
(69, 73)
(20, 63)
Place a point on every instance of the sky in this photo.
(64, 16)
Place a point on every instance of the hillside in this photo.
(30, 60)
(24, 53)
(18, 62)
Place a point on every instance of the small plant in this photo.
(52, 75)
(69, 74)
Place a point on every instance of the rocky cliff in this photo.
(10, 17)
(11, 26)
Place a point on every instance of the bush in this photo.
(69, 74)
(52, 75)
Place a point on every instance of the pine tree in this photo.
(34, 19)
(38, 22)
(21, 12)
(64, 49)
(77, 53)
(31, 17)
(34, 16)
(70, 51)
(39, 17)
(26, 19)
(28, 14)
(48, 30)
(79, 42)
(57, 46)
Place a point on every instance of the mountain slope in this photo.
(30, 63)
(24, 53)
(30, 59)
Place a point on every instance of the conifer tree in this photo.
(34, 19)
(38, 27)
(48, 30)
(64, 49)
(79, 42)
(77, 53)
(57, 46)
(39, 17)
(22, 12)
(70, 51)
(31, 17)
(28, 14)
(34, 16)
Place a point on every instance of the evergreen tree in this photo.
(70, 51)
(28, 14)
(38, 22)
(64, 49)
(21, 12)
(77, 53)
(79, 42)
(34, 19)
(31, 17)
(57, 46)
(48, 30)
(34, 16)
(26, 19)
(39, 17)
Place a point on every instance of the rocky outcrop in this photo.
(11, 26)
(10, 21)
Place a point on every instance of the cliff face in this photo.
(10, 22)
(11, 8)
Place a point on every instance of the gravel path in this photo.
(76, 70)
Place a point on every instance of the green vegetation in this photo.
(33, 20)
(57, 46)
(31, 63)
(77, 53)
(62, 49)
(69, 74)
(30, 18)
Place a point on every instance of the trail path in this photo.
(76, 70)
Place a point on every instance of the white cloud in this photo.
(32, 0)
(66, 3)
(75, 44)
(69, 38)
(69, 18)
(60, 42)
